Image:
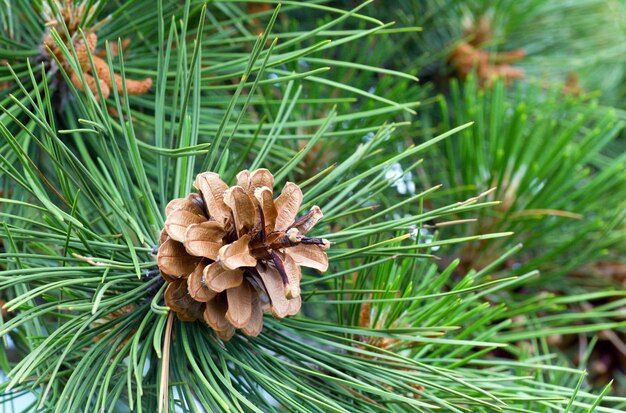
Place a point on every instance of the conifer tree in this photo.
(255, 206)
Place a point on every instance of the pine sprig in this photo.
(546, 171)
(388, 328)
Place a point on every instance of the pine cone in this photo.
(72, 16)
(230, 254)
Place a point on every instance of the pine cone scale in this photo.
(212, 189)
(287, 206)
(311, 256)
(239, 305)
(178, 222)
(174, 260)
(204, 239)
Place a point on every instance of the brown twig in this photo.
(165, 366)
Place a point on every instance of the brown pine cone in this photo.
(230, 254)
